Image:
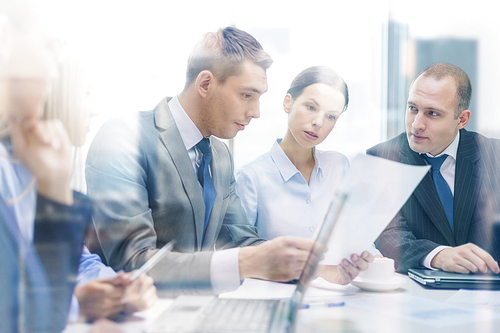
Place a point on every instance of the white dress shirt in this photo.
(448, 172)
(224, 267)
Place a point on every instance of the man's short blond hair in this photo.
(222, 53)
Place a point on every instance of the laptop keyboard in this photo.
(240, 315)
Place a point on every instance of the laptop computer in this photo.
(212, 314)
(445, 280)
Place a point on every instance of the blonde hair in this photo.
(67, 103)
(25, 53)
(67, 100)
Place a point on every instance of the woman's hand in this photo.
(347, 270)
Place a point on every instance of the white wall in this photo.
(138, 51)
(470, 20)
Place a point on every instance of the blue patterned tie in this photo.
(442, 187)
(205, 179)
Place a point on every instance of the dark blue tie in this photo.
(205, 179)
(442, 187)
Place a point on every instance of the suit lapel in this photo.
(466, 186)
(427, 195)
(172, 141)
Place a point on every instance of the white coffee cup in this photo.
(380, 270)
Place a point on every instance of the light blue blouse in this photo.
(278, 200)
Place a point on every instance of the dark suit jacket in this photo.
(146, 193)
(421, 225)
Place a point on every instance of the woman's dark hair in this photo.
(318, 74)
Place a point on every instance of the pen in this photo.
(325, 304)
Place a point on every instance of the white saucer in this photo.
(392, 284)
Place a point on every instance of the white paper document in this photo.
(432, 313)
(476, 297)
(376, 190)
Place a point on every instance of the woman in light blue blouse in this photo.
(287, 191)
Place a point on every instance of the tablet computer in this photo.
(446, 280)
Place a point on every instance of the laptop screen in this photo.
(316, 254)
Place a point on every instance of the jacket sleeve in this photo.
(58, 239)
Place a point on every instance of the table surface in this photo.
(411, 308)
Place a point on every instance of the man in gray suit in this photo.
(142, 174)
(425, 233)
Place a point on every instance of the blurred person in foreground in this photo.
(99, 291)
(42, 221)
(447, 223)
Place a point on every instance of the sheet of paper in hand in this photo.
(376, 189)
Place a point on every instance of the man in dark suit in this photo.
(446, 222)
(142, 173)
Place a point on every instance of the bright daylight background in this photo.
(137, 52)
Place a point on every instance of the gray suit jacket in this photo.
(146, 193)
(421, 225)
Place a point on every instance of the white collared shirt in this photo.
(190, 134)
(277, 198)
(224, 267)
(448, 172)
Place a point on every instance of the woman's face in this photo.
(313, 114)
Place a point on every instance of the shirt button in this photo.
(308, 201)
(311, 229)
